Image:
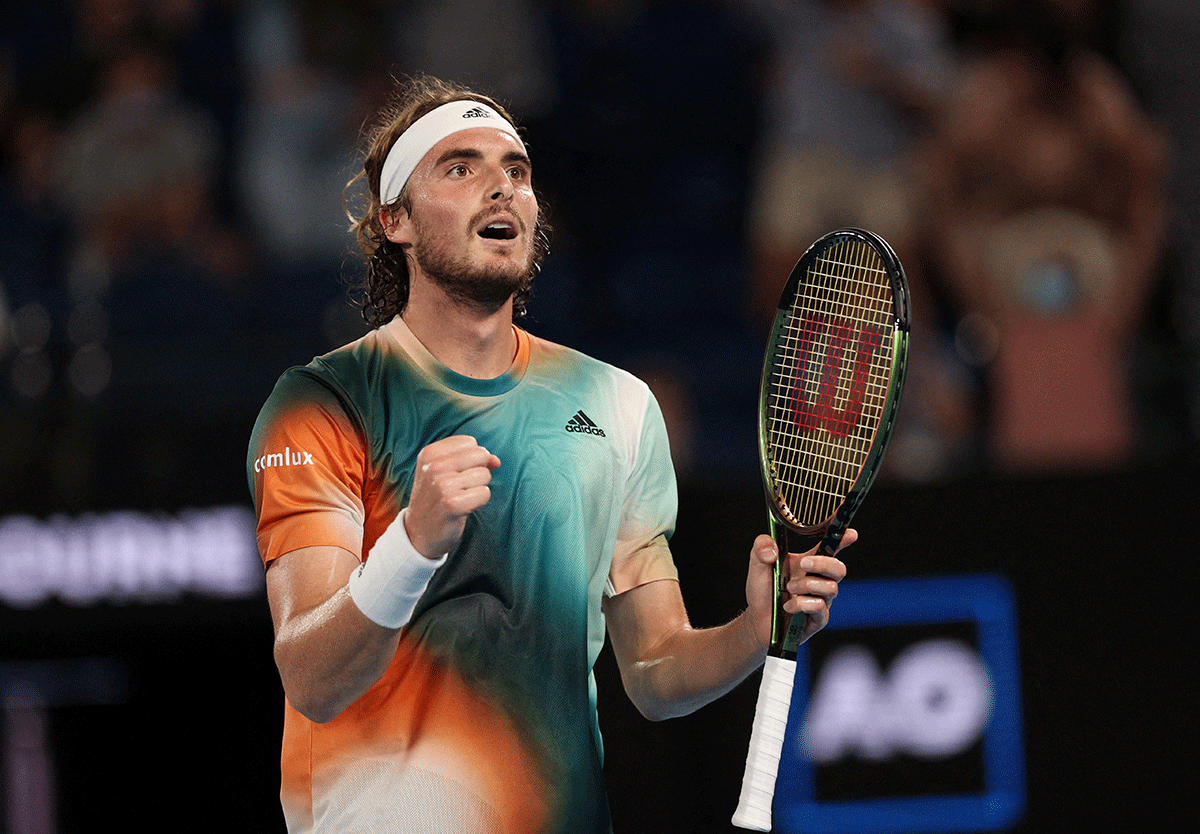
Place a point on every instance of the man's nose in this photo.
(501, 186)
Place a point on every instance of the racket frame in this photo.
(785, 628)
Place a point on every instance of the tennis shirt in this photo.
(485, 720)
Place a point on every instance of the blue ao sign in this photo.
(906, 713)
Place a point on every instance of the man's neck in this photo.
(473, 343)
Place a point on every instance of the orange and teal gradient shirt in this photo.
(485, 721)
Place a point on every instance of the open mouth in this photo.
(499, 230)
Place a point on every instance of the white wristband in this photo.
(386, 586)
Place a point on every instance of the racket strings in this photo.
(831, 375)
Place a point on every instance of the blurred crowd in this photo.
(173, 233)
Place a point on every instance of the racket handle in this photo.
(766, 745)
(787, 630)
(795, 632)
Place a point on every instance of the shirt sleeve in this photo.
(641, 554)
(306, 466)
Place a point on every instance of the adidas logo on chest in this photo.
(582, 424)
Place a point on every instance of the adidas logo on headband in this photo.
(426, 132)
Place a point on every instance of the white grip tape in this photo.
(766, 744)
(386, 586)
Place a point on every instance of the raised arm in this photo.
(671, 669)
(337, 627)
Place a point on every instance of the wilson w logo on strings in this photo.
(832, 372)
(832, 368)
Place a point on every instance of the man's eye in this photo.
(458, 171)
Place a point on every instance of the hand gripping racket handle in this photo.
(766, 745)
(794, 629)
(774, 696)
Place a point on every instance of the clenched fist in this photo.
(450, 482)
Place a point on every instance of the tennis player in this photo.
(452, 510)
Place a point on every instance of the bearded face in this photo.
(483, 280)
(470, 220)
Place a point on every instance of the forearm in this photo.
(337, 623)
(670, 669)
(329, 656)
(692, 667)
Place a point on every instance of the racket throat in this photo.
(786, 629)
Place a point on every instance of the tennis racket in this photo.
(831, 382)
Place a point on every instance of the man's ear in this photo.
(397, 225)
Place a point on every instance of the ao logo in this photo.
(932, 702)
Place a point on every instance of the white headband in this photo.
(412, 145)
